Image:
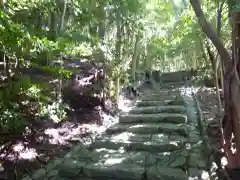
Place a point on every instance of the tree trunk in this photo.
(204, 55)
(230, 122)
(118, 52)
(63, 15)
(135, 56)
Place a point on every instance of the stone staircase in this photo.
(158, 139)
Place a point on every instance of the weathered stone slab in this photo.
(118, 128)
(149, 128)
(171, 139)
(158, 109)
(144, 128)
(108, 144)
(195, 136)
(121, 171)
(71, 168)
(173, 85)
(54, 164)
(170, 128)
(160, 94)
(52, 174)
(174, 159)
(165, 173)
(159, 103)
(39, 174)
(79, 153)
(112, 157)
(125, 136)
(153, 118)
(135, 142)
(197, 158)
(154, 98)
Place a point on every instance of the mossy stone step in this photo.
(166, 173)
(130, 165)
(159, 103)
(163, 97)
(149, 128)
(153, 118)
(161, 93)
(134, 142)
(158, 109)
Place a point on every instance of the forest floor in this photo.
(22, 154)
(208, 103)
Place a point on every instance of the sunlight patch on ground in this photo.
(20, 151)
(187, 91)
(63, 134)
(124, 104)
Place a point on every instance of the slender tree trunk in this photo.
(135, 56)
(203, 50)
(118, 53)
(63, 15)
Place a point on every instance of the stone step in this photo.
(153, 118)
(161, 93)
(146, 128)
(161, 173)
(155, 143)
(172, 85)
(158, 109)
(134, 165)
(163, 97)
(159, 103)
(108, 164)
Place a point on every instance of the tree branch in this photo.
(208, 30)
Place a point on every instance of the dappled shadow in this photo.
(128, 155)
(208, 103)
(23, 153)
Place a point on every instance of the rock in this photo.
(195, 136)
(164, 173)
(153, 118)
(171, 139)
(197, 161)
(39, 174)
(143, 128)
(54, 164)
(169, 128)
(121, 171)
(27, 178)
(53, 173)
(79, 153)
(149, 128)
(158, 109)
(159, 98)
(71, 168)
(172, 159)
(133, 142)
(117, 128)
(194, 172)
(159, 102)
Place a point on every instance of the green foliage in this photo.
(36, 33)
